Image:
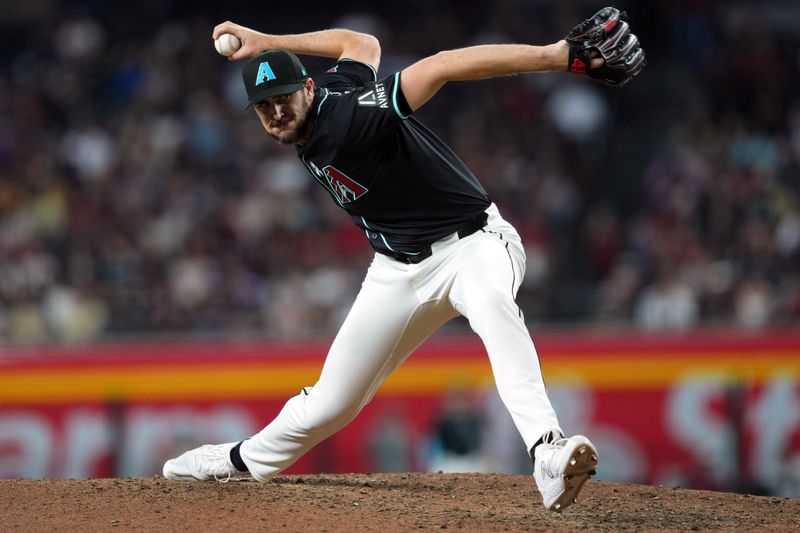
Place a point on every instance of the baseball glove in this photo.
(606, 34)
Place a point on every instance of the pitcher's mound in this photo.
(375, 502)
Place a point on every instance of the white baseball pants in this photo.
(398, 307)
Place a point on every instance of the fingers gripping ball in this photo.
(227, 44)
(606, 34)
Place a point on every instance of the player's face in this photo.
(285, 117)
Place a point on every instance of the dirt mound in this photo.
(375, 502)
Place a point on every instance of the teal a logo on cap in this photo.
(264, 73)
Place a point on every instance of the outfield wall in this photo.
(710, 409)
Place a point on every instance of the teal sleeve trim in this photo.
(396, 103)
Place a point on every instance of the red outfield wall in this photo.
(702, 409)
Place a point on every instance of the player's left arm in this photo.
(420, 81)
(601, 46)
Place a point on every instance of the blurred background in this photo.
(150, 232)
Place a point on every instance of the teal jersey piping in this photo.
(383, 238)
(323, 101)
(394, 96)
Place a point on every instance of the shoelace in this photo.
(560, 443)
(213, 460)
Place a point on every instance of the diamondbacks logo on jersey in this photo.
(374, 97)
(264, 73)
(345, 189)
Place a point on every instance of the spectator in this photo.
(133, 199)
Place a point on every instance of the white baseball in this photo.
(227, 44)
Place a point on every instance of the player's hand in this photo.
(252, 41)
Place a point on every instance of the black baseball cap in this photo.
(272, 73)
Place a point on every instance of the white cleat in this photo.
(561, 469)
(206, 463)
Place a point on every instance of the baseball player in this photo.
(442, 249)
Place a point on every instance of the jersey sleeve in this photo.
(347, 74)
(364, 115)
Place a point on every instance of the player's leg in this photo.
(489, 268)
(386, 323)
(491, 264)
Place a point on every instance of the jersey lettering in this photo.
(376, 97)
(315, 169)
(345, 189)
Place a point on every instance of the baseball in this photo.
(227, 44)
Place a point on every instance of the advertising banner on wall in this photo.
(705, 410)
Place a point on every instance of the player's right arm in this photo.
(334, 43)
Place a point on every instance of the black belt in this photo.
(465, 230)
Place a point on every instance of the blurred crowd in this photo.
(138, 198)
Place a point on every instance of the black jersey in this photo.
(398, 181)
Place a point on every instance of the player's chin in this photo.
(283, 135)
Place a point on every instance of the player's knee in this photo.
(328, 421)
(327, 414)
